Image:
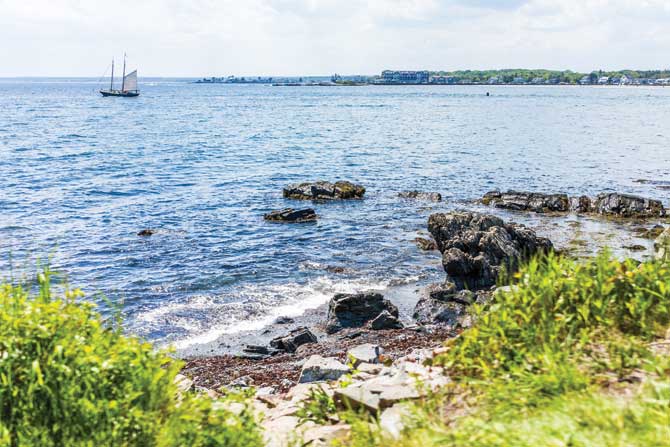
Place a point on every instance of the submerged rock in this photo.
(324, 191)
(528, 201)
(146, 232)
(291, 216)
(319, 369)
(625, 205)
(651, 233)
(419, 195)
(293, 340)
(356, 310)
(425, 244)
(475, 247)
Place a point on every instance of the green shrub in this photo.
(66, 379)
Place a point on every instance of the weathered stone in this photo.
(147, 232)
(325, 435)
(392, 420)
(293, 339)
(440, 304)
(425, 244)
(419, 195)
(476, 247)
(365, 353)
(324, 191)
(385, 321)
(183, 383)
(527, 201)
(319, 369)
(625, 205)
(356, 310)
(650, 233)
(662, 245)
(581, 204)
(289, 215)
(356, 397)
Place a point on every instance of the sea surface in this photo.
(80, 175)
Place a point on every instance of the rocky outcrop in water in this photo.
(289, 215)
(607, 204)
(528, 201)
(356, 310)
(475, 247)
(425, 244)
(146, 232)
(419, 195)
(324, 191)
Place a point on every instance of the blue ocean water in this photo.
(80, 175)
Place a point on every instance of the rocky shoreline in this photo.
(475, 247)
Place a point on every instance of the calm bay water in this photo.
(81, 174)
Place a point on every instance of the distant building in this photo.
(494, 80)
(663, 81)
(625, 80)
(519, 80)
(405, 77)
(537, 80)
(442, 80)
(603, 80)
(585, 80)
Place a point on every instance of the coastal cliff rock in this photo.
(528, 201)
(419, 195)
(607, 204)
(290, 215)
(625, 205)
(324, 191)
(475, 247)
(356, 310)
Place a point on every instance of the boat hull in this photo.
(119, 93)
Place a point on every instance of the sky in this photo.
(322, 37)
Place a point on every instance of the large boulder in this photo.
(293, 340)
(385, 320)
(290, 215)
(347, 310)
(421, 195)
(443, 304)
(625, 205)
(324, 191)
(528, 201)
(475, 247)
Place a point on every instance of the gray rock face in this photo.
(324, 191)
(475, 247)
(385, 321)
(624, 205)
(293, 339)
(319, 369)
(419, 195)
(443, 304)
(581, 204)
(356, 310)
(528, 201)
(365, 353)
(289, 215)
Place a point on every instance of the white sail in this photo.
(130, 81)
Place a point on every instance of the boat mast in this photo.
(111, 83)
(123, 82)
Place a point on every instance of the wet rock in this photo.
(527, 201)
(283, 320)
(258, 350)
(625, 205)
(475, 247)
(356, 310)
(635, 247)
(324, 191)
(385, 321)
(443, 304)
(365, 353)
(650, 233)
(319, 369)
(581, 204)
(419, 195)
(425, 244)
(295, 338)
(289, 215)
(146, 232)
(662, 246)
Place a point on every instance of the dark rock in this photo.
(528, 201)
(256, 349)
(651, 233)
(283, 320)
(442, 304)
(324, 191)
(295, 338)
(418, 195)
(425, 244)
(635, 247)
(355, 310)
(291, 216)
(581, 204)
(625, 205)
(385, 321)
(475, 247)
(147, 232)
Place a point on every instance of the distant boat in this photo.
(128, 84)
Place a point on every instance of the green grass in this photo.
(563, 358)
(68, 379)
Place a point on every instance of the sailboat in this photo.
(128, 83)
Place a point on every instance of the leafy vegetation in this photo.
(67, 379)
(566, 356)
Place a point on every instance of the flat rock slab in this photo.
(319, 369)
(289, 215)
(321, 190)
(365, 353)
